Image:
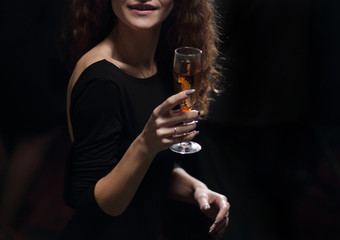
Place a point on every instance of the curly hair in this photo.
(191, 23)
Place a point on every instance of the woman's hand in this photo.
(216, 207)
(165, 127)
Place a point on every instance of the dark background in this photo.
(271, 142)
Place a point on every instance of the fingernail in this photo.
(192, 132)
(211, 230)
(198, 112)
(190, 123)
(205, 207)
(189, 92)
(219, 220)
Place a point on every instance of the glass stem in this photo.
(185, 144)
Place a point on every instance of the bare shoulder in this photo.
(85, 61)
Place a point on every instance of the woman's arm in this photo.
(216, 206)
(114, 192)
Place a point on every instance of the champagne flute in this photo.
(187, 70)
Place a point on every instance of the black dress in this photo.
(108, 111)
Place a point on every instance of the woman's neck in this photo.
(135, 49)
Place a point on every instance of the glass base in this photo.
(186, 147)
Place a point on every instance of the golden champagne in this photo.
(186, 80)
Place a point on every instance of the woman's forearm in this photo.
(115, 191)
(183, 186)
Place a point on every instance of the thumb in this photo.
(203, 203)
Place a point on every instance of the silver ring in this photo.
(175, 131)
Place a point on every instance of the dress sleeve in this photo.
(96, 122)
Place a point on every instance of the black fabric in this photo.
(108, 110)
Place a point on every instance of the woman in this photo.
(120, 116)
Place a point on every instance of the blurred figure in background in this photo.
(33, 133)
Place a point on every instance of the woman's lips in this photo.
(142, 9)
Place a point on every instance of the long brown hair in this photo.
(191, 23)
